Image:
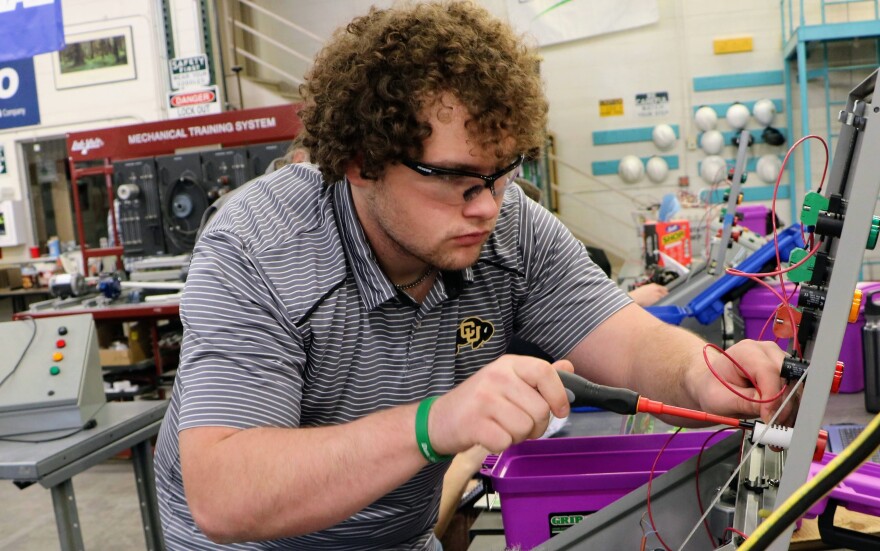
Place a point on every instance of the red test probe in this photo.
(584, 393)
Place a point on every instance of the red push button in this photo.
(60, 343)
(821, 443)
(838, 378)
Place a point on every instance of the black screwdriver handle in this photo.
(582, 392)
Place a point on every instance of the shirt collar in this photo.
(373, 285)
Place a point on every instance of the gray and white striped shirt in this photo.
(289, 322)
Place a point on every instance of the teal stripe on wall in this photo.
(721, 108)
(751, 164)
(763, 193)
(737, 80)
(755, 132)
(627, 135)
(606, 168)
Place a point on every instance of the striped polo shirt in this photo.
(290, 322)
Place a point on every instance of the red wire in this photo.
(650, 480)
(744, 373)
(783, 299)
(737, 532)
(779, 181)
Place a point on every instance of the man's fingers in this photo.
(542, 377)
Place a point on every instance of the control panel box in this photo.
(11, 223)
(52, 379)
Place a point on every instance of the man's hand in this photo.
(505, 402)
(648, 294)
(762, 360)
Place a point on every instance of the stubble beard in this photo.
(386, 218)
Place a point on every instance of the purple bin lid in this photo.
(859, 491)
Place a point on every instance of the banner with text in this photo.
(30, 27)
(18, 94)
(230, 128)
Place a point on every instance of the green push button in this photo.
(814, 203)
(54, 370)
(873, 233)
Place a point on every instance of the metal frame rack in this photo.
(77, 174)
(835, 274)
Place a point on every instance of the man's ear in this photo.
(353, 171)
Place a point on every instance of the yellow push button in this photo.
(856, 306)
(57, 357)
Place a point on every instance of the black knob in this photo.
(62, 330)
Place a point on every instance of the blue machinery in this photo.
(709, 299)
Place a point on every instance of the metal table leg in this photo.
(142, 459)
(66, 516)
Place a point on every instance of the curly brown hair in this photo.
(367, 91)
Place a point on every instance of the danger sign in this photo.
(190, 103)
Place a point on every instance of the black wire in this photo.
(23, 352)
(88, 425)
(851, 462)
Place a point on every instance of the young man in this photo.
(326, 303)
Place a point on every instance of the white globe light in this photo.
(712, 142)
(631, 169)
(768, 168)
(713, 169)
(738, 116)
(657, 169)
(663, 136)
(764, 111)
(706, 118)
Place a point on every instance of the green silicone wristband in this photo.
(422, 438)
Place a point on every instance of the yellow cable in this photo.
(800, 493)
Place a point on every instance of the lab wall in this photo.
(133, 91)
(671, 62)
(606, 93)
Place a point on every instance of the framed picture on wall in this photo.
(95, 57)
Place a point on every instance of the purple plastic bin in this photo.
(758, 304)
(859, 491)
(541, 482)
(756, 218)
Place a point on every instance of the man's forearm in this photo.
(268, 483)
(663, 366)
(633, 349)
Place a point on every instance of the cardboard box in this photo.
(672, 238)
(134, 336)
(10, 277)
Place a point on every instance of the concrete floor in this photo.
(107, 502)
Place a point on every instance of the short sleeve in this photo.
(567, 294)
(242, 358)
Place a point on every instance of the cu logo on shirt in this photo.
(474, 332)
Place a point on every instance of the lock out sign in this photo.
(193, 102)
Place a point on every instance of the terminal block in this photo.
(804, 272)
(814, 203)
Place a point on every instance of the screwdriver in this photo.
(582, 392)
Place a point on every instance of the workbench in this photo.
(53, 463)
